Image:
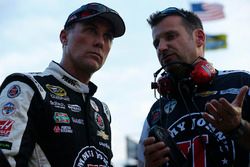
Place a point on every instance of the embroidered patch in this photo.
(14, 91)
(155, 116)
(57, 90)
(91, 156)
(99, 121)
(94, 106)
(8, 109)
(60, 117)
(102, 134)
(169, 107)
(5, 127)
(74, 107)
(5, 145)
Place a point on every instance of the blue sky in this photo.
(29, 35)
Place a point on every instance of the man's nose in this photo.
(163, 46)
(99, 41)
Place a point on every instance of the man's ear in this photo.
(63, 37)
(200, 37)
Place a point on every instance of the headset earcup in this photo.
(165, 85)
(203, 73)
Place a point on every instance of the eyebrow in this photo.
(90, 23)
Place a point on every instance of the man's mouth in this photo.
(167, 58)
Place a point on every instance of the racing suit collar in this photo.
(59, 73)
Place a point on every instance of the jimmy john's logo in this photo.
(57, 92)
(91, 156)
(192, 131)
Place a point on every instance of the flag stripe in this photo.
(208, 11)
(216, 41)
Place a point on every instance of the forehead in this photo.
(98, 22)
(169, 23)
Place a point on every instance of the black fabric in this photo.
(3, 160)
(181, 115)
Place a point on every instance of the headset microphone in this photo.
(154, 85)
(196, 74)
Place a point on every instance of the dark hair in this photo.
(190, 20)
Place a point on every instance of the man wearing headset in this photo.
(51, 118)
(202, 116)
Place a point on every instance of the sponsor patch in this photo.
(230, 91)
(66, 98)
(60, 117)
(155, 116)
(66, 129)
(102, 134)
(169, 107)
(14, 91)
(57, 104)
(57, 129)
(94, 105)
(74, 107)
(62, 129)
(106, 111)
(106, 145)
(206, 93)
(5, 145)
(5, 127)
(69, 80)
(91, 156)
(192, 131)
(8, 109)
(57, 90)
(99, 121)
(77, 121)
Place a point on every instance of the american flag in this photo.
(208, 11)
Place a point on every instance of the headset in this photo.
(197, 75)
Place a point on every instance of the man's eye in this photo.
(91, 30)
(170, 37)
(156, 43)
(109, 36)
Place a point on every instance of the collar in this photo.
(64, 77)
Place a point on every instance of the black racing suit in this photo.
(201, 143)
(52, 119)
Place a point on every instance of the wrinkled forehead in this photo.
(168, 24)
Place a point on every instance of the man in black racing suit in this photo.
(202, 116)
(51, 118)
(200, 142)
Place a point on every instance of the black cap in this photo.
(92, 10)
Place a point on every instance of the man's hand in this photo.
(223, 115)
(156, 154)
